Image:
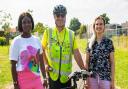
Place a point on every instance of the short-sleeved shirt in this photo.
(25, 52)
(99, 62)
(60, 38)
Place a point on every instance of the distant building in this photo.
(125, 28)
(113, 30)
(110, 30)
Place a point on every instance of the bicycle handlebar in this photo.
(80, 74)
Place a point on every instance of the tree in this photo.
(5, 20)
(39, 27)
(82, 30)
(74, 24)
(106, 18)
(30, 11)
(5, 23)
(6, 26)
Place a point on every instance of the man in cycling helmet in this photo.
(60, 43)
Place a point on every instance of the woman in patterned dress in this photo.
(100, 58)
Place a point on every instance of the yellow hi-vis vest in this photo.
(60, 56)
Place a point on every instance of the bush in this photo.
(2, 41)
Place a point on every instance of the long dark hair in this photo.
(21, 18)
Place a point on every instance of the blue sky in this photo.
(84, 10)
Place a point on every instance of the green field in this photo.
(121, 61)
(5, 74)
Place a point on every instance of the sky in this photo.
(84, 10)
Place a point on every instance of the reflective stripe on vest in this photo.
(62, 72)
(58, 60)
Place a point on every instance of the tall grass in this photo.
(121, 69)
(121, 60)
(120, 41)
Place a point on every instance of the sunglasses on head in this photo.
(60, 15)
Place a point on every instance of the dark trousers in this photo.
(58, 85)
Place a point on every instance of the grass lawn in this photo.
(121, 60)
(5, 74)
